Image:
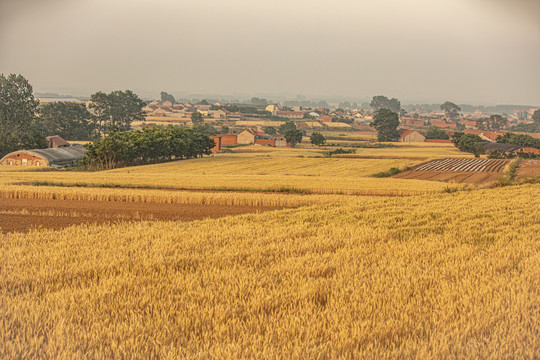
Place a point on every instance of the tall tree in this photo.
(536, 116)
(19, 126)
(493, 123)
(270, 130)
(382, 102)
(197, 118)
(323, 104)
(224, 129)
(205, 129)
(167, 97)
(69, 120)
(257, 101)
(117, 110)
(436, 133)
(498, 122)
(293, 136)
(450, 109)
(386, 123)
(317, 138)
(482, 124)
(289, 125)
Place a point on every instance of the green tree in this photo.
(69, 120)
(323, 104)
(317, 138)
(456, 136)
(19, 125)
(529, 128)
(382, 102)
(293, 136)
(116, 111)
(148, 146)
(197, 118)
(519, 139)
(493, 123)
(498, 122)
(224, 130)
(270, 130)
(257, 101)
(482, 124)
(468, 143)
(289, 125)
(536, 116)
(386, 123)
(436, 133)
(167, 97)
(450, 109)
(206, 129)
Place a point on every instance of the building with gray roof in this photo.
(54, 157)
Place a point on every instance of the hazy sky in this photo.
(467, 51)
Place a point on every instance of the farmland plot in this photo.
(25, 215)
(469, 171)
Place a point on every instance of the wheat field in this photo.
(435, 276)
(282, 168)
(170, 197)
(405, 270)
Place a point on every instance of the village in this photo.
(258, 124)
(247, 126)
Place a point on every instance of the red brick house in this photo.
(325, 118)
(406, 135)
(217, 141)
(228, 139)
(56, 141)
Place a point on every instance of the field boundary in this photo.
(281, 190)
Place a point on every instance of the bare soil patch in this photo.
(23, 215)
(529, 168)
(467, 171)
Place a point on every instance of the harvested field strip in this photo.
(467, 177)
(476, 165)
(22, 215)
(168, 197)
(529, 168)
(285, 191)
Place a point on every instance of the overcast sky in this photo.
(467, 51)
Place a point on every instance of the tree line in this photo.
(148, 146)
(475, 144)
(24, 124)
(19, 126)
(519, 139)
(533, 127)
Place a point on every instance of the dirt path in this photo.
(22, 215)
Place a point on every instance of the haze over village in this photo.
(479, 52)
